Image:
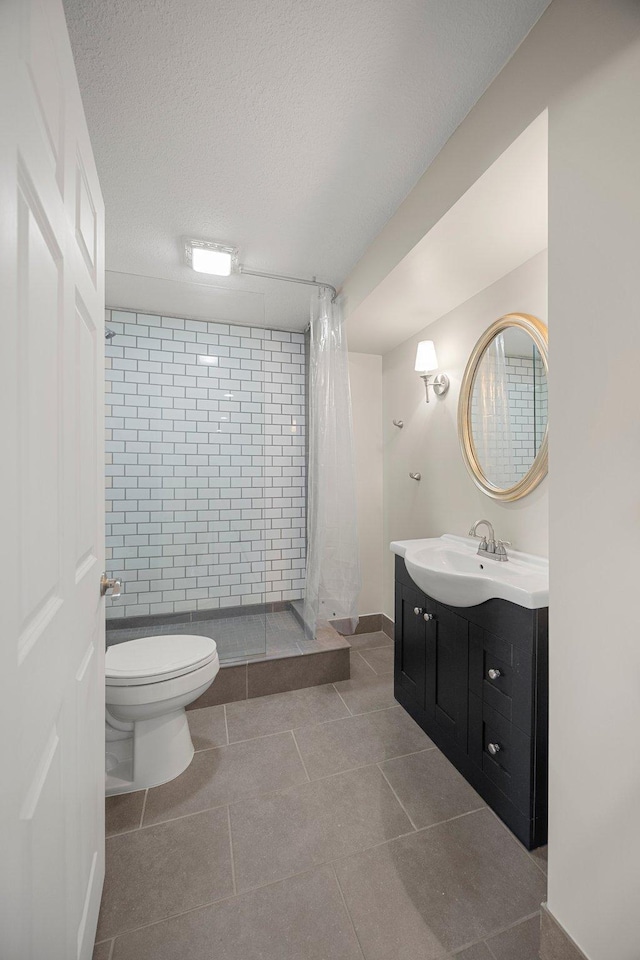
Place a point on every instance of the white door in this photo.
(51, 499)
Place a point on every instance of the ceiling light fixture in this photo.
(221, 260)
(209, 256)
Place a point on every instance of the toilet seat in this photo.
(154, 659)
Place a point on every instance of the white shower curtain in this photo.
(333, 567)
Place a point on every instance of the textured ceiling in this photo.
(293, 128)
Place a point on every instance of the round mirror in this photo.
(503, 411)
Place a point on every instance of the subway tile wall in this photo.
(528, 410)
(527, 394)
(205, 464)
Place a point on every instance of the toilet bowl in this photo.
(149, 682)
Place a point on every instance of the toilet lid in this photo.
(150, 659)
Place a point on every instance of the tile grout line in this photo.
(233, 863)
(144, 807)
(372, 763)
(304, 766)
(383, 646)
(518, 843)
(276, 790)
(500, 931)
(208, 903)
(381, 675)
(320, 723)
(226, 723)
(347, 911)
(374, 846)
(121, 833)
(540, 868)
(317, 866)
(366, 662)
(271, 696)
(390, 785)
(113, 946)
(366, 713)
(484, 940)
(486, 943)
(343, 700)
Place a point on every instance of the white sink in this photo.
(449, 569)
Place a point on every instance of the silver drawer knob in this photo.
(427, 616)
(417, 611)
(494, 674)
(493, 748)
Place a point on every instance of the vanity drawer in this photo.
(501, 751)
(500, 674)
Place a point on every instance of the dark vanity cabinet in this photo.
(476, 680)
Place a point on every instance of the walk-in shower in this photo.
(208, 450)
(206, 481)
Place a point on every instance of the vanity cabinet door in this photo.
(501, 675)
(410, 655)
(502, 752)
(447, 643)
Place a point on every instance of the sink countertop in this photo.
(449, 569)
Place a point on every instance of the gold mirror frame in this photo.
(538, 469)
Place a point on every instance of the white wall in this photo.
(446, 500)
(365, 375)
(582, 62)
(594, 233)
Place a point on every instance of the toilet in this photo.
(149, 683)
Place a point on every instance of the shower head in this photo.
(109, 334)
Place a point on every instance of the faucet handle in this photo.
(483, 545)
(500, 548)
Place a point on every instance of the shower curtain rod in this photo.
(277, 276)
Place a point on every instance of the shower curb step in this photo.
(280, 674)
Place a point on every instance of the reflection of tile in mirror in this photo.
(509, 408)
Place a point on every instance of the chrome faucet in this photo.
(490, 549)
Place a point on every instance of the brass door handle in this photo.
(107, 583)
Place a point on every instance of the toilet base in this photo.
(158, 750)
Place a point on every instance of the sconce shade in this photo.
(426, 359)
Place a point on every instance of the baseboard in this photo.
(555, 942)
(368, 623)
(388, 627)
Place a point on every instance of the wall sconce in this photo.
(426, 363)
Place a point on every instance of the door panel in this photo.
(448, 671)
(51, 389)
(410, 650)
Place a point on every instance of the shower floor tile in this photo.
(346, 834)
(237, 638)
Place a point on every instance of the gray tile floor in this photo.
(320, 824)
(237, 638)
